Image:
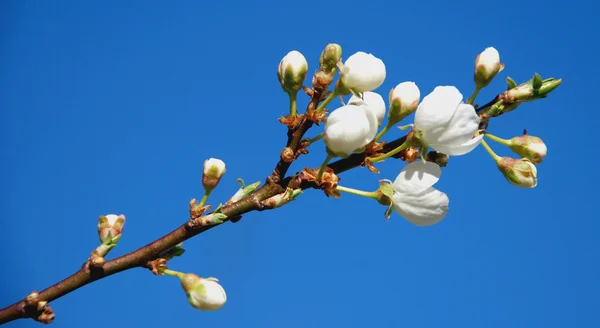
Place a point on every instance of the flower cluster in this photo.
(444, 121)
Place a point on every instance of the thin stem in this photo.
(293, 111)
(317, 138)
(171, 273)
(368, 194)
(327, 101)
(204, 199)
(474, 95)
(395, 151)
(323, 166)
(490, 151)
(497, 139)
(383, 132)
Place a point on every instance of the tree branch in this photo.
(139, 258)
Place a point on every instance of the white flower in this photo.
(349, 128)
(292, 71)
(214, 168)
(445, 123)
(487, 66)
(363, 72)
(203, 293)
(414, 197)
(373, 101)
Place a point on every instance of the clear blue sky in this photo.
(109, 107)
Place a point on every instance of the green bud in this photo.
(292, 72)
(282, 199)
(519, 172)
(243, 191)
(530, 147)
(110, 228)
(330, 56)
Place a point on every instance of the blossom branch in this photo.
(279, 189)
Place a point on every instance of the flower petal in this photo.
(416, 177)
(373, 101)
(457, 150)
(348, 128)
(437, 108)
(424, 209)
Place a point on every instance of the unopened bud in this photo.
(244, 191)
(530, 147)
(404, 100)
(519, 172)
(330, 56)
(487, 66)
(533, 89)
(203, 293)
(292, 71)
(110, 228)
(213, 171)
(282, 199)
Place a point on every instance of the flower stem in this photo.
(293, 111)
(490, 151)
(204, 199)
(315, 139)
(171, 273)
(393, 152)
(383, 132)
(474, 95)
(327, 100)
(497, 139)
(368, 194)
(323, 166)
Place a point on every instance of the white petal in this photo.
(363, 72)
(459, 130)
(457, 150)
(373, 101)
(416, 177)
(424, 209)
(348, 128)
(437, 108)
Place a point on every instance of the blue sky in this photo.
(113, 107)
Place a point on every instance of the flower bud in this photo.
(330, 57)
(349, 128)
(373, 101)
(487, 66)
(362, 72)
(292, 71)
(519, 172)
(533, 89)
(404, 100)
(213, 171)
(110, 228)
(530, 147)
(243, 191)
(203, 293)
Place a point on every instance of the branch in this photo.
(274, 185)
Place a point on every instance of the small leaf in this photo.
(511, 83)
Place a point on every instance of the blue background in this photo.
(112, 107)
